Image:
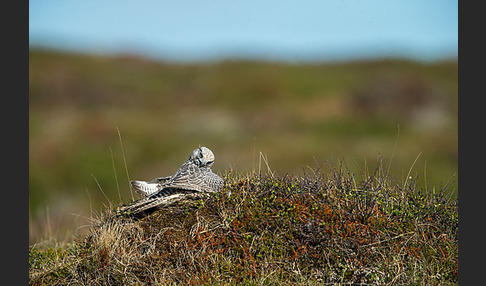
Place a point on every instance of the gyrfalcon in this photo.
(195, 175)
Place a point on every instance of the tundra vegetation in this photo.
(331, 227)
(362, 186)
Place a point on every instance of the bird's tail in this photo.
(145, 188)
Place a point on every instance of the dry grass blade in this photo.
(319, 229)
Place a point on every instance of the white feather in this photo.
(145, 188)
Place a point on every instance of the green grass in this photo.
(294, 114)
(326, 226)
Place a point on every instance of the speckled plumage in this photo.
(194, 176)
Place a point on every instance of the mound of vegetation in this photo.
(321, 227)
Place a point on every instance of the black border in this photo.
(471, 145)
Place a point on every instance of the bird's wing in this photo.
(187, 182)
(148, 204)
(160, 180)
(193, 178)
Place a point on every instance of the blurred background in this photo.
(123, 90)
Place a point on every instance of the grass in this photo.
(336, 224)
(293, 113)
(324, 227)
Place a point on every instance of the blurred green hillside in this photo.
(295, 115)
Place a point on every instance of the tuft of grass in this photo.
(322, 227)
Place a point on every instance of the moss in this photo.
(296, 229)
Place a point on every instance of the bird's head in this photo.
(202, 157)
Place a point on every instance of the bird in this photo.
(194, 176)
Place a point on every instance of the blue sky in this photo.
(269, 29)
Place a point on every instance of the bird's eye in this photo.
(200, 154)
